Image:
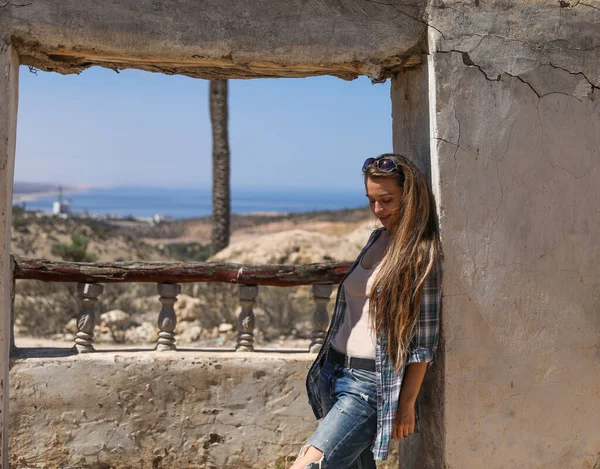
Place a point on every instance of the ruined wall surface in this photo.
(410, 115)
(186, 409)
(165, 410)
(411, 137)
(516, 129)
(217, 39)
(9, 77)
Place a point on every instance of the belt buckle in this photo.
(348, 360)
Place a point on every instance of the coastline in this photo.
(20, 197)
(180, 203)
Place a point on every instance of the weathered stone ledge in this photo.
(214, 40)
(139, 409)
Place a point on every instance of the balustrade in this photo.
(246, 319)
(167, 320)
(169, 276)
(86, 320)
(320, 317)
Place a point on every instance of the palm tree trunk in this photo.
(221, 204)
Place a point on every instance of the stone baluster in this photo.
(86, 319)
(246, 319)
(320, 318)
(167, 319)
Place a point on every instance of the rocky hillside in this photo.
(206, 313)
(297, 246)
(37, 235)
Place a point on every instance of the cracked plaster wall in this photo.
(9, 73)
(139, 410)
(171, 410)
(215, 39)
(410, 115)
(516, 129)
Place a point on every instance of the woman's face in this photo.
(385, 199)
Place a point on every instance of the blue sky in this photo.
(146, 129)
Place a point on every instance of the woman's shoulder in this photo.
(378, 231)
(374, 235)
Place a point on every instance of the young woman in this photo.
(384, 329)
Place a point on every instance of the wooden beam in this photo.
(180, 272)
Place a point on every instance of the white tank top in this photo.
(355, 336)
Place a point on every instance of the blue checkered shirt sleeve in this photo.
(427, 334)
(421, 350)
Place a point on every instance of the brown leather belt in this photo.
(339, 358)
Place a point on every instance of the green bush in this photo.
(195, 252)
(42, 309)
(76, 251)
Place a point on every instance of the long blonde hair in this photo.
(413, 251)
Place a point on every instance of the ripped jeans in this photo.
(346, 433)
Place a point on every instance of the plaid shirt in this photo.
(422, 350)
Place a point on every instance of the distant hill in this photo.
(33, 187)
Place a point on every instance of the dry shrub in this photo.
(43, 309)
(279, 310)
(221, 302)
(286, 310)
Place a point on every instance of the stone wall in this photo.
(146, 409)
(9, 77)
(516, 123)
(185, 409)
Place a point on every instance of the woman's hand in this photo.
(404, 424)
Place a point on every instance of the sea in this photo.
(181, 203)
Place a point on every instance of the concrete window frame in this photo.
(231, 40)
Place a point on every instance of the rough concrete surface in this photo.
(410, 115)
(9, 76)
(173, 409)
(411, 137)
(516, 127)
(185, 409)
(215, 39)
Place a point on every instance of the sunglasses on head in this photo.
(384, 164)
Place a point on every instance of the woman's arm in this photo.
(421, 352)
(404, 424)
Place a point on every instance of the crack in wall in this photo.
(590, 6)
(538, 47)
(8, 2)
(594, 86)
(467, 60)
(553, 165)
(422, 21)
(497, 163)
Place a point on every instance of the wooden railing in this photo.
(170, 275)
